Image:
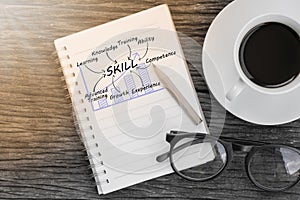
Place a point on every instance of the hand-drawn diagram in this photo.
(121, 70)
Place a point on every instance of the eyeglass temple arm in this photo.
(166, 155)
(237, 144)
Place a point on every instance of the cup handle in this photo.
(236, 90)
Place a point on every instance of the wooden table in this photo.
(41, 156)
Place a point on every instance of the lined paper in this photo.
(129, 111)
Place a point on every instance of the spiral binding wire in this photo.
(82, 121)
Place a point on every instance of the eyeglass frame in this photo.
(230, 145)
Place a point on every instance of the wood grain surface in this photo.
(41, 155)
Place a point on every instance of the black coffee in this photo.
(270, 55)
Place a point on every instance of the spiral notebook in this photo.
(122, 109)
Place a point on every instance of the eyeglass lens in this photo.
(275, 167)
(198, 160)
(270, 167)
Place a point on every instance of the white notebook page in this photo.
(129, 109)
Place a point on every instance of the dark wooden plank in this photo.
(41, 156)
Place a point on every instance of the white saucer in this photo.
(221, 74)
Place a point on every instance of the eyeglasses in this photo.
(201, 157)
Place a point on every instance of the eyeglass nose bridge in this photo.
(240, 147)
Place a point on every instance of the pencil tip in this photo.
(199, 122)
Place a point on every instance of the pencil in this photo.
(179, 97)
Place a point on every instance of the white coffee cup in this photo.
(243, 81)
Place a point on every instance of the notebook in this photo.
(122, 109)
